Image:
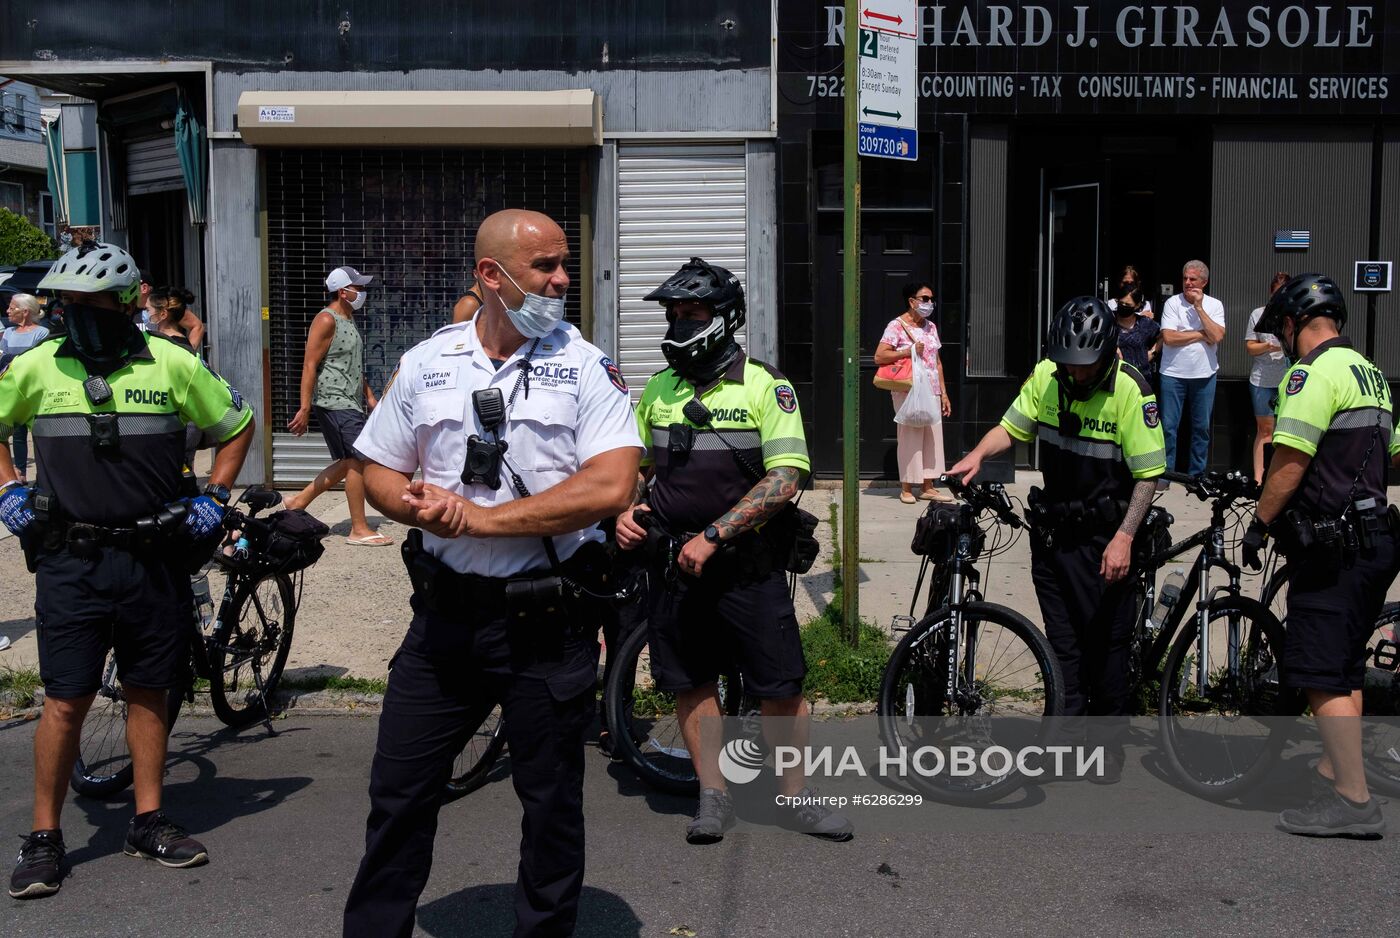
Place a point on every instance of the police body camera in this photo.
(484, 456)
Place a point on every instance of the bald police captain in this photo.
(525, 437)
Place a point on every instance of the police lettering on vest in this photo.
(753, 410)
(162, 387)
(1099, 447)
(1334, 405)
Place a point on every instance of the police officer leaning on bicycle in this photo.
(108, 405)
(728, 455)
(1324, 500)
(1101, 450)
(525, 436)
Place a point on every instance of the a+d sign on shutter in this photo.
(888, 100)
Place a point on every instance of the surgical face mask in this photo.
(99, 333)
(358, 302)
(925, 309)
(537, 316)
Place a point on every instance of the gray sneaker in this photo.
(1328, 814)
(713, 816)
(809, 816)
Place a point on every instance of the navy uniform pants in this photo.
(443, 681)
(1090, 625)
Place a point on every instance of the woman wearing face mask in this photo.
(1130, 282)
(23, 334)
(1265, 375)
(1139, 338)
(160, 319)
(920, 449)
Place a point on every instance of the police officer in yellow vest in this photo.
(107, 533)
(1101, 451)
(1325, 499)
(728, 454)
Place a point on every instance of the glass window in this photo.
(12, 197)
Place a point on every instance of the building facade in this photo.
(23, 167)
(1059, 143)
(381, 137)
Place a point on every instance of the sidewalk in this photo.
(354, 609)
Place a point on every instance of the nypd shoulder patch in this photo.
(614, 374)
(787, 398)
(1296, 380)
(1151, 414)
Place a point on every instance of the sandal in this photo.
(369, 540)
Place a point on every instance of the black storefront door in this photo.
(896, 247)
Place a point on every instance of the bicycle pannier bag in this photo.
(293, 540)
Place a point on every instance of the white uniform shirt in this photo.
(1199, 359)
(577, 408)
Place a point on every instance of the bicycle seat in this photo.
(261, 499)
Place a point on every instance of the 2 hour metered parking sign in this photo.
(888, 95)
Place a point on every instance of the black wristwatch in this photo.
(219, 493)
(712, 534)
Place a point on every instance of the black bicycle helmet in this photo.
(1301, 299)
(1082, 332)
(716, 287)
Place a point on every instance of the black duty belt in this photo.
(1359, 529)
(531, 595)
(1073, 518)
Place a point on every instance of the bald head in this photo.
(502, 235)
(519, 252)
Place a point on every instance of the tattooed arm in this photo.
(1118, 556)
(763, 501)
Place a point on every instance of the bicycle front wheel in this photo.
(104, 762)
(247, 654)
(642, 719)
(473, 765)
(987, 679)
(1223, 713)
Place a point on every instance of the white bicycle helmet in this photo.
(95, 267)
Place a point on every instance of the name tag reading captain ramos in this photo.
(435, 379)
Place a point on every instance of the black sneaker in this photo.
(809, 816)
(713, 816)
(1328, 814)
(1112, 770)
(39, 870)
(164, 841)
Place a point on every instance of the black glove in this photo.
(1255, 537)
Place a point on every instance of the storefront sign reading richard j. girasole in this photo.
(1247, 57)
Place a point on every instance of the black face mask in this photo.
(703, 361)
(100, 334)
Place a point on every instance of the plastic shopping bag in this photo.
(920, 408)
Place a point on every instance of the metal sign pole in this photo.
(850, 417)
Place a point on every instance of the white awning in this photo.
(421, 118)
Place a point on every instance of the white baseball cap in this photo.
(343, 277)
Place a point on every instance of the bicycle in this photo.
(639, 716)
(241, 651)
(967, 662)
(1219, 668)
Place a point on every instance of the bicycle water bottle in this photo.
(1167, 597)
(204, 603)
(240, 550)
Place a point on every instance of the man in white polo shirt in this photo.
(1193, 325)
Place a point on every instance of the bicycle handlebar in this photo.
(985, 496)
(1217, 486)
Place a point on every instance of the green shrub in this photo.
(837, 671)
(20, 241)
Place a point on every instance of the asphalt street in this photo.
(283, 818)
